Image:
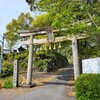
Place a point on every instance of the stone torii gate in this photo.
(32, 41)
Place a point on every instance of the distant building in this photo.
(5, 51)
(19, 49)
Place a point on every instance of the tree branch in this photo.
(92, 20)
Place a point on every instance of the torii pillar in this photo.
(30, 62)
(75, 57)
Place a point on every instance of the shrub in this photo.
(7, 69)
(40, 66)
(23, 60)
(9, 57)
(50, 60)
(7, 82)
(87, 87)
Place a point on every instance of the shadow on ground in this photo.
(65, 75)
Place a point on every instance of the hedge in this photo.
(87, 87)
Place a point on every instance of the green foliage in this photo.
(21, 55)
(7, 82)
(23, 59)
(24, 22)
(9, 57)
(7, 66)
(87, 87)
(8, 62)
(79, 27)
(98, 29)
(7, 69)
(66, 13)
(42, 21)
(11, 39)
(89, 48)
(50, 60)
(41, 65)
(77, 16)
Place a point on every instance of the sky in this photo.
(11, 9)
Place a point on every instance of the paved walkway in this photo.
(55, 90)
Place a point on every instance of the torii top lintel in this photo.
(27, 33)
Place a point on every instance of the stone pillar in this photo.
(30, 62)
(75, 57)
(15, 74)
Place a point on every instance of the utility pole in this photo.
(2, 41)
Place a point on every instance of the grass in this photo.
(7, 82)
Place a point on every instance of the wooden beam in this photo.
(44, 41)
(27, 33)
(34, 33)
(57, 39)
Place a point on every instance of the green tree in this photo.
(42, 21)
(24, 22)
(78, 16)
(49, 60)
(11, 39)
(67, 12)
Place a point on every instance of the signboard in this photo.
(15, 74)
(91, 65)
